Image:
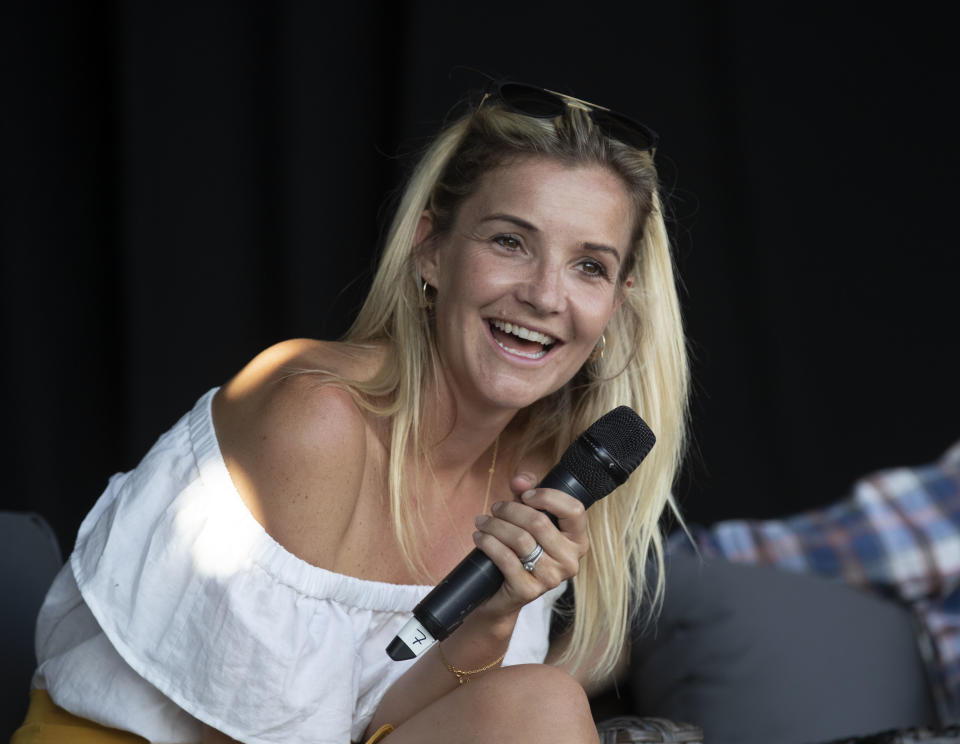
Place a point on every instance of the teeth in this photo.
(524, 333)
(527, 354)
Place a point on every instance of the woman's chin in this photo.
(514, 394)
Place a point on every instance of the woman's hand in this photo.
(517, 527)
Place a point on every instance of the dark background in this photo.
(185, 183)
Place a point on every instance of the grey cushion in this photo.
(29, 560)
(756, 654)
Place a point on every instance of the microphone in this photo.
(598, 461)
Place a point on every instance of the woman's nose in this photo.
(542, 288)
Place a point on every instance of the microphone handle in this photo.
(476, 578)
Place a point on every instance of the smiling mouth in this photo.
(521, 341)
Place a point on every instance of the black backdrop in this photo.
(184, 183)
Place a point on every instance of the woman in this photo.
(245, 580)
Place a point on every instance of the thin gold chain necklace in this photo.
(493, 467)
(486, 495)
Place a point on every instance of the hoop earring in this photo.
(425, 302)
(597, 354)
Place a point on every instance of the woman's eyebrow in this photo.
(504, 217)
(604, 249)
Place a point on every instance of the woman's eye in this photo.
(593, 268)
(507, 241)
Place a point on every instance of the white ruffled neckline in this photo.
(277, 561)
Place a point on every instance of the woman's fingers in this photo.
(519, 583)
(521, 526)
(517, 539)
(523, 482)
(567, 510)
(570, 513)
(521, 586)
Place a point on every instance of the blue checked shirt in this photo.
(898, 535)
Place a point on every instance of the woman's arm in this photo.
(513, 530)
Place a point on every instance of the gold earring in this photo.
(425, 301)
(597, 354)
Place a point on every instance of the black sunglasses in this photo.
(541, 103)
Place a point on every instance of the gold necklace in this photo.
(493, 466)
(486, 495)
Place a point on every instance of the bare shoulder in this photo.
(297, 447)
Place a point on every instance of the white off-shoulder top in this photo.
(177, 607)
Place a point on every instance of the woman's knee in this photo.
(540, 697)
(524, 704)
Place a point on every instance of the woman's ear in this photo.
(622, 293)
(424, 248)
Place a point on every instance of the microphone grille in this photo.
(624, 435)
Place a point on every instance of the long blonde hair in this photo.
(644, 364)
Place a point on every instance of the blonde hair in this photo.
(644, 364)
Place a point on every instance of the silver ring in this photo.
(529, 561)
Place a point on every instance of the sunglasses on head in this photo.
(541, 103)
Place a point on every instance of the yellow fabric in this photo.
(47, 723)
(379, 735)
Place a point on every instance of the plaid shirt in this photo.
(898, 535)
